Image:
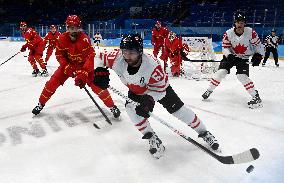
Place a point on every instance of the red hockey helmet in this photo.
(158, 24)
(23, 24)
(52, 27)
(73, 20)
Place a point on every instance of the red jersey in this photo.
(79, 53)
(158, 36)
(32, 38)
(174, 47)
(51, 38)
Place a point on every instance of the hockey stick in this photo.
(188, 60)
(100, 109)
(244, 157)
(10, 58)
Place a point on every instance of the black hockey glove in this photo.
(147, 104)
(256, 59)
(231, 58)
(101, 77)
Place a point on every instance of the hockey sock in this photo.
(142, 124)
(247, 83)
(40, 61)
(186, 115)
(215, 81)
(104, 95)
(33, 63)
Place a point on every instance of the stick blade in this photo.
(96, 126)
(244, 157)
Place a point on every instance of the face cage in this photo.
(123, 50)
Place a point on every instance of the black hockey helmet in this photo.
(132, 41)
(273, 30)
(239, 16)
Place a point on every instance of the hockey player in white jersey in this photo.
(97, 39)
(238, 44)
(148, 84)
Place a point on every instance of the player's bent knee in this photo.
(221, 73)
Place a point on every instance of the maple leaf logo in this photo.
(240, 49)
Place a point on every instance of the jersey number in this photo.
(158, 75)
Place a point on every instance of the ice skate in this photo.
(44, 73)
(255, 102)
(210, 140)
(206, 94)
(115, 111)
(35, 72)
(37, 109)
(156, 147)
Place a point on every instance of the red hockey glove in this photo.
(24, 47)
(69, 70)
(256, 59)
(81, 78)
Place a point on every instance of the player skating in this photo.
(148, 84)
(97, 39)
(75, 55)
(159, 34)
(36, 46)
(238, 44)
(51, 38)
(173, 50)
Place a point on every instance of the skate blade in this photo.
(44, 75)
(255, 106)
(159, 153)
(116, 119)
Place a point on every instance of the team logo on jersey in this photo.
(240, 49)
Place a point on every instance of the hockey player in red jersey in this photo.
(75, 55)
(173, 49)
(159, 34)
(51, 38)
(147, 83)
(36, 46)
(238, 44)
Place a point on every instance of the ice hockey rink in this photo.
(61, 145)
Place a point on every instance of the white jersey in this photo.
(242, 46)
(149, 79)
(98, 37)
